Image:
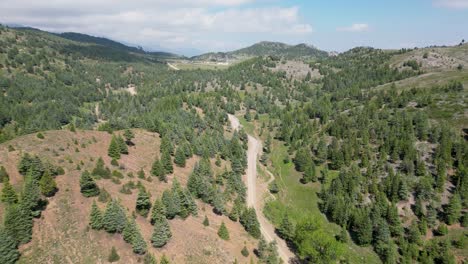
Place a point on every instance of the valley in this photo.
(273, 153)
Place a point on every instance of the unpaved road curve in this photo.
(172, 66)
(266, 228)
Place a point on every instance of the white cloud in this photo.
(456, 4)
(357, 27)
(201, 24)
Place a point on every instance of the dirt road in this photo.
(266, 228)
(172, 66)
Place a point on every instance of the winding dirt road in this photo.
(266, 228)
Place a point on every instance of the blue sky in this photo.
(195, 26)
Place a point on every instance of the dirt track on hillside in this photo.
(266, 228)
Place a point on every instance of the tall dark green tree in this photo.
(114, 218)
(18, 222)
(454, 209)
(114, 149)
(180, 157)
(143, 203)
(95, 218)
(88, 186)
(9, 253)
(3, 174)
(158, 209)
(47, 184)
(166, 161)
(157, 170)
(161, 233)
(8, 193)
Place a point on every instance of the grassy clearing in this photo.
(301, 202)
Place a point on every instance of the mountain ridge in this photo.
(265, 48)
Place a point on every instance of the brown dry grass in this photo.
(62, 234)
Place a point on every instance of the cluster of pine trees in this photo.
(20, 209)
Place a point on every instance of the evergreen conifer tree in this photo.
(164, 260)
(454, 209)
(114, 149)
(8, 251)
(157, 170)
(166, 161)
(223, 232)
(206, 222)
(114, 218)
(143, 204)
(161, 232)
(95, 218)
(158, 209)
(113, 255)
(88, 186)
(286, 228)
(3, 174)
(8, 193)
(179, 158)
(47, 184)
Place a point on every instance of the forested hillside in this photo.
(367, 153)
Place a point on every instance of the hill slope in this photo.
(266, 48)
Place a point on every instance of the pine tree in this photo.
(223, 232)
(88, 187)
(206, 222)
(8, 193)
(8, 251)
(166, 145)
(161, 232)
(310, 175)
(171, 203)
(149, 259)
(113, 256)
(128, 233)
(143, 203)
(167, 162)
(31, 195)
(158, 209)
(132, 235)
(157, 170)
(47, 184)
(286, 228)
(245, 251)
(454, 209)
(139, 245)
(179, 159)
(95, 218)
(114, 149)
(100, 170)
(128, 134)
(114, 218)
(123, 149)
(431, 215)
(3, 175)
(414, 235)
(249, 220)
(164, 260)
(18, 222)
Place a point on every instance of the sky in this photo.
(191, 27)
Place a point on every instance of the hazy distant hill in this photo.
(266, 48)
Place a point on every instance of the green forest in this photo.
(381, 165)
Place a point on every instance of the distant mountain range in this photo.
(265, 48)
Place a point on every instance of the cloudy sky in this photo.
(195, 26)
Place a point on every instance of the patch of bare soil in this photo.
(296, 69)
(62, 235)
